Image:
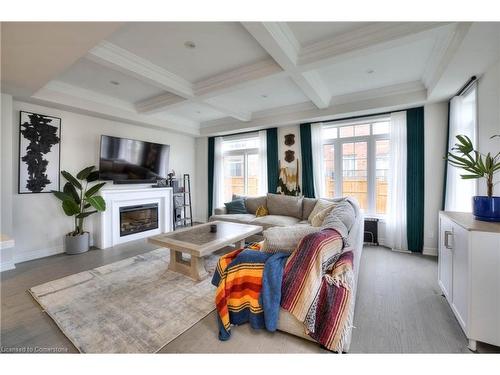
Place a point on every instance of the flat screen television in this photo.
(128, 161)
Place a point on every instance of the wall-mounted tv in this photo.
(128, 161)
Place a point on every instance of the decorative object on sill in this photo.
(371, 231)
(261, 211)
(478, 165)
(39, 153)
(213, 228)
(290, 139)
(80, 200)
(288, 182)
(183, 211)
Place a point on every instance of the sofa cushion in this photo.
(285, 238)
(252, 203)
(275, 221)
(284, 205)
(236, 206)
(235, 218)
(307, 207)
(321, 204)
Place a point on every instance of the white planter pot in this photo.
(76, 244)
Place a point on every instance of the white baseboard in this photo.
(39, 253)
(432, 251)
(7, 266)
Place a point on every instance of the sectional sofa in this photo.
(288, 213)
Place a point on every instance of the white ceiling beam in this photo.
(366, 39)
(117, 58)
(443, 53)
(126, 62)
(278, 40)
(390, 98)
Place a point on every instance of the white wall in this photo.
(436, 125)
(200, 198)
(39, 223)
(489, 118)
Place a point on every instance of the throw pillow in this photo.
(307, 207)
(236, 206)
(317, 220)
(321, 204)
(261, 211)
(341, 218)
(285, 239)
(284, 205)
(252, 203)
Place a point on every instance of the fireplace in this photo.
(140, 218)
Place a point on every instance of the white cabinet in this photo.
(469, 274)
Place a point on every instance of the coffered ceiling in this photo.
(212, 77)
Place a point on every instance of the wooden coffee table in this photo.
(198, 241)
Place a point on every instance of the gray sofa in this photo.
(288, 216)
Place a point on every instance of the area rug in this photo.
(132, 306)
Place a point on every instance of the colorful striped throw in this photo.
(238, 278)
(316, 287)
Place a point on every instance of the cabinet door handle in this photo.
(447, 234)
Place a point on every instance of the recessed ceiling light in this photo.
(116, 83)
(189, 44)
(263, 96)
(198, 112)
(370, 71)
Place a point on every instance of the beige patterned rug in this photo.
(132, 306)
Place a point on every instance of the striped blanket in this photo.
(241, 296)
(316, 287)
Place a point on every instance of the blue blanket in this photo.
(248, 289)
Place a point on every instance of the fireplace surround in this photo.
(133, 213)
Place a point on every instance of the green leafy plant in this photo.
(80, 200)
(477, 165)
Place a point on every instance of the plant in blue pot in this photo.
(478, 165)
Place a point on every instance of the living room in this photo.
(266, 187)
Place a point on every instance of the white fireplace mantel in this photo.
(109, 226)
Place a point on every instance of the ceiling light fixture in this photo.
(189, 44)
(116, 83)
(263, 96)
(370, 71)
(198, 112)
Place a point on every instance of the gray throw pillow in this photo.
(284, 205)
(236, 206)
(341, 218)
(285, 239)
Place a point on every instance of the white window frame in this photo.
(245, 152)
(371, 156)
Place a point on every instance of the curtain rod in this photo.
(466, 86)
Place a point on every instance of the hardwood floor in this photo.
(399, 310)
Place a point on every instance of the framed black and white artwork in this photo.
(39, 153)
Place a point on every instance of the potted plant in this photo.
(478, 165)
(80, 201)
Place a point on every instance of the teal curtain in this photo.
(415, 179)
(211, 149)
(272, 159)
(307, 161)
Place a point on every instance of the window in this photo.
(356, 158)
(241, 165)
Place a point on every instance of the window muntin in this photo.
(356, 158)
(241, 166)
